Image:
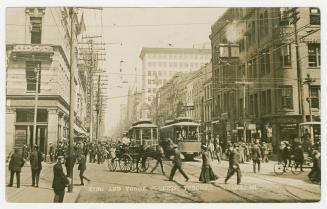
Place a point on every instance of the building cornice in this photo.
(40, 97)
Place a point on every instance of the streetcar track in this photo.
(261, 177)
(224, 189)
(290, 194)
(299, 188)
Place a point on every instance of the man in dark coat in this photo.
(36, 159)
(82, 168)
(177, 164)
(256, 156)
(70, 161)
(15, 166)
(234, 158)
(59, 180)
(286, 154)
(158, 154)
(299, 157)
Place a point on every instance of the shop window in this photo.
(27, 115)
(31, 68)
(36, 29)
(314, 54)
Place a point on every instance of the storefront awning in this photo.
(79, 131)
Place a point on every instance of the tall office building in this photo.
(161, 64)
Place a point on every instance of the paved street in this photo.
(133, 187)
(117, 186)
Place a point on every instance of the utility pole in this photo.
(72, 97)
(37, 72)
(293, 14)
(244, 83)
(309, 81)
(98, 108)
(91, 91)
(92, 56)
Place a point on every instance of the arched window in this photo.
(266, 21)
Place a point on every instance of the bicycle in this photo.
(280, 168)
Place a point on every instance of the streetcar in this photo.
(185, 133)
(143, 132)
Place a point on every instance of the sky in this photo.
(126, 30)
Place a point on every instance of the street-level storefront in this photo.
(24, 128)
(51, 126)
(279, 129)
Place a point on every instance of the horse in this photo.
(155, 151)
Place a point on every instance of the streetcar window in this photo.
(146, 134)
(155, 135)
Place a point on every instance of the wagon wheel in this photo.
(126, 163)
(146, 165)
(112, 164)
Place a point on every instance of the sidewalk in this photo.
(44, 193)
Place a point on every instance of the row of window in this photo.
(263, 29)
(161, 73)
(264, 25)
(179, 56)
(175, 64)
(157, 81)
(285, 100)
(314, 16)
(264, 60)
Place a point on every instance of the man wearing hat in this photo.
(36, 165)
(286, 153)
(234, 158)
(59, 180)
(177, 161)
(256, 156)
(15, 166)
(299, 157)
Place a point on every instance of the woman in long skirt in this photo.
(207, 173)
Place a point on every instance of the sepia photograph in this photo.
(162, 104)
